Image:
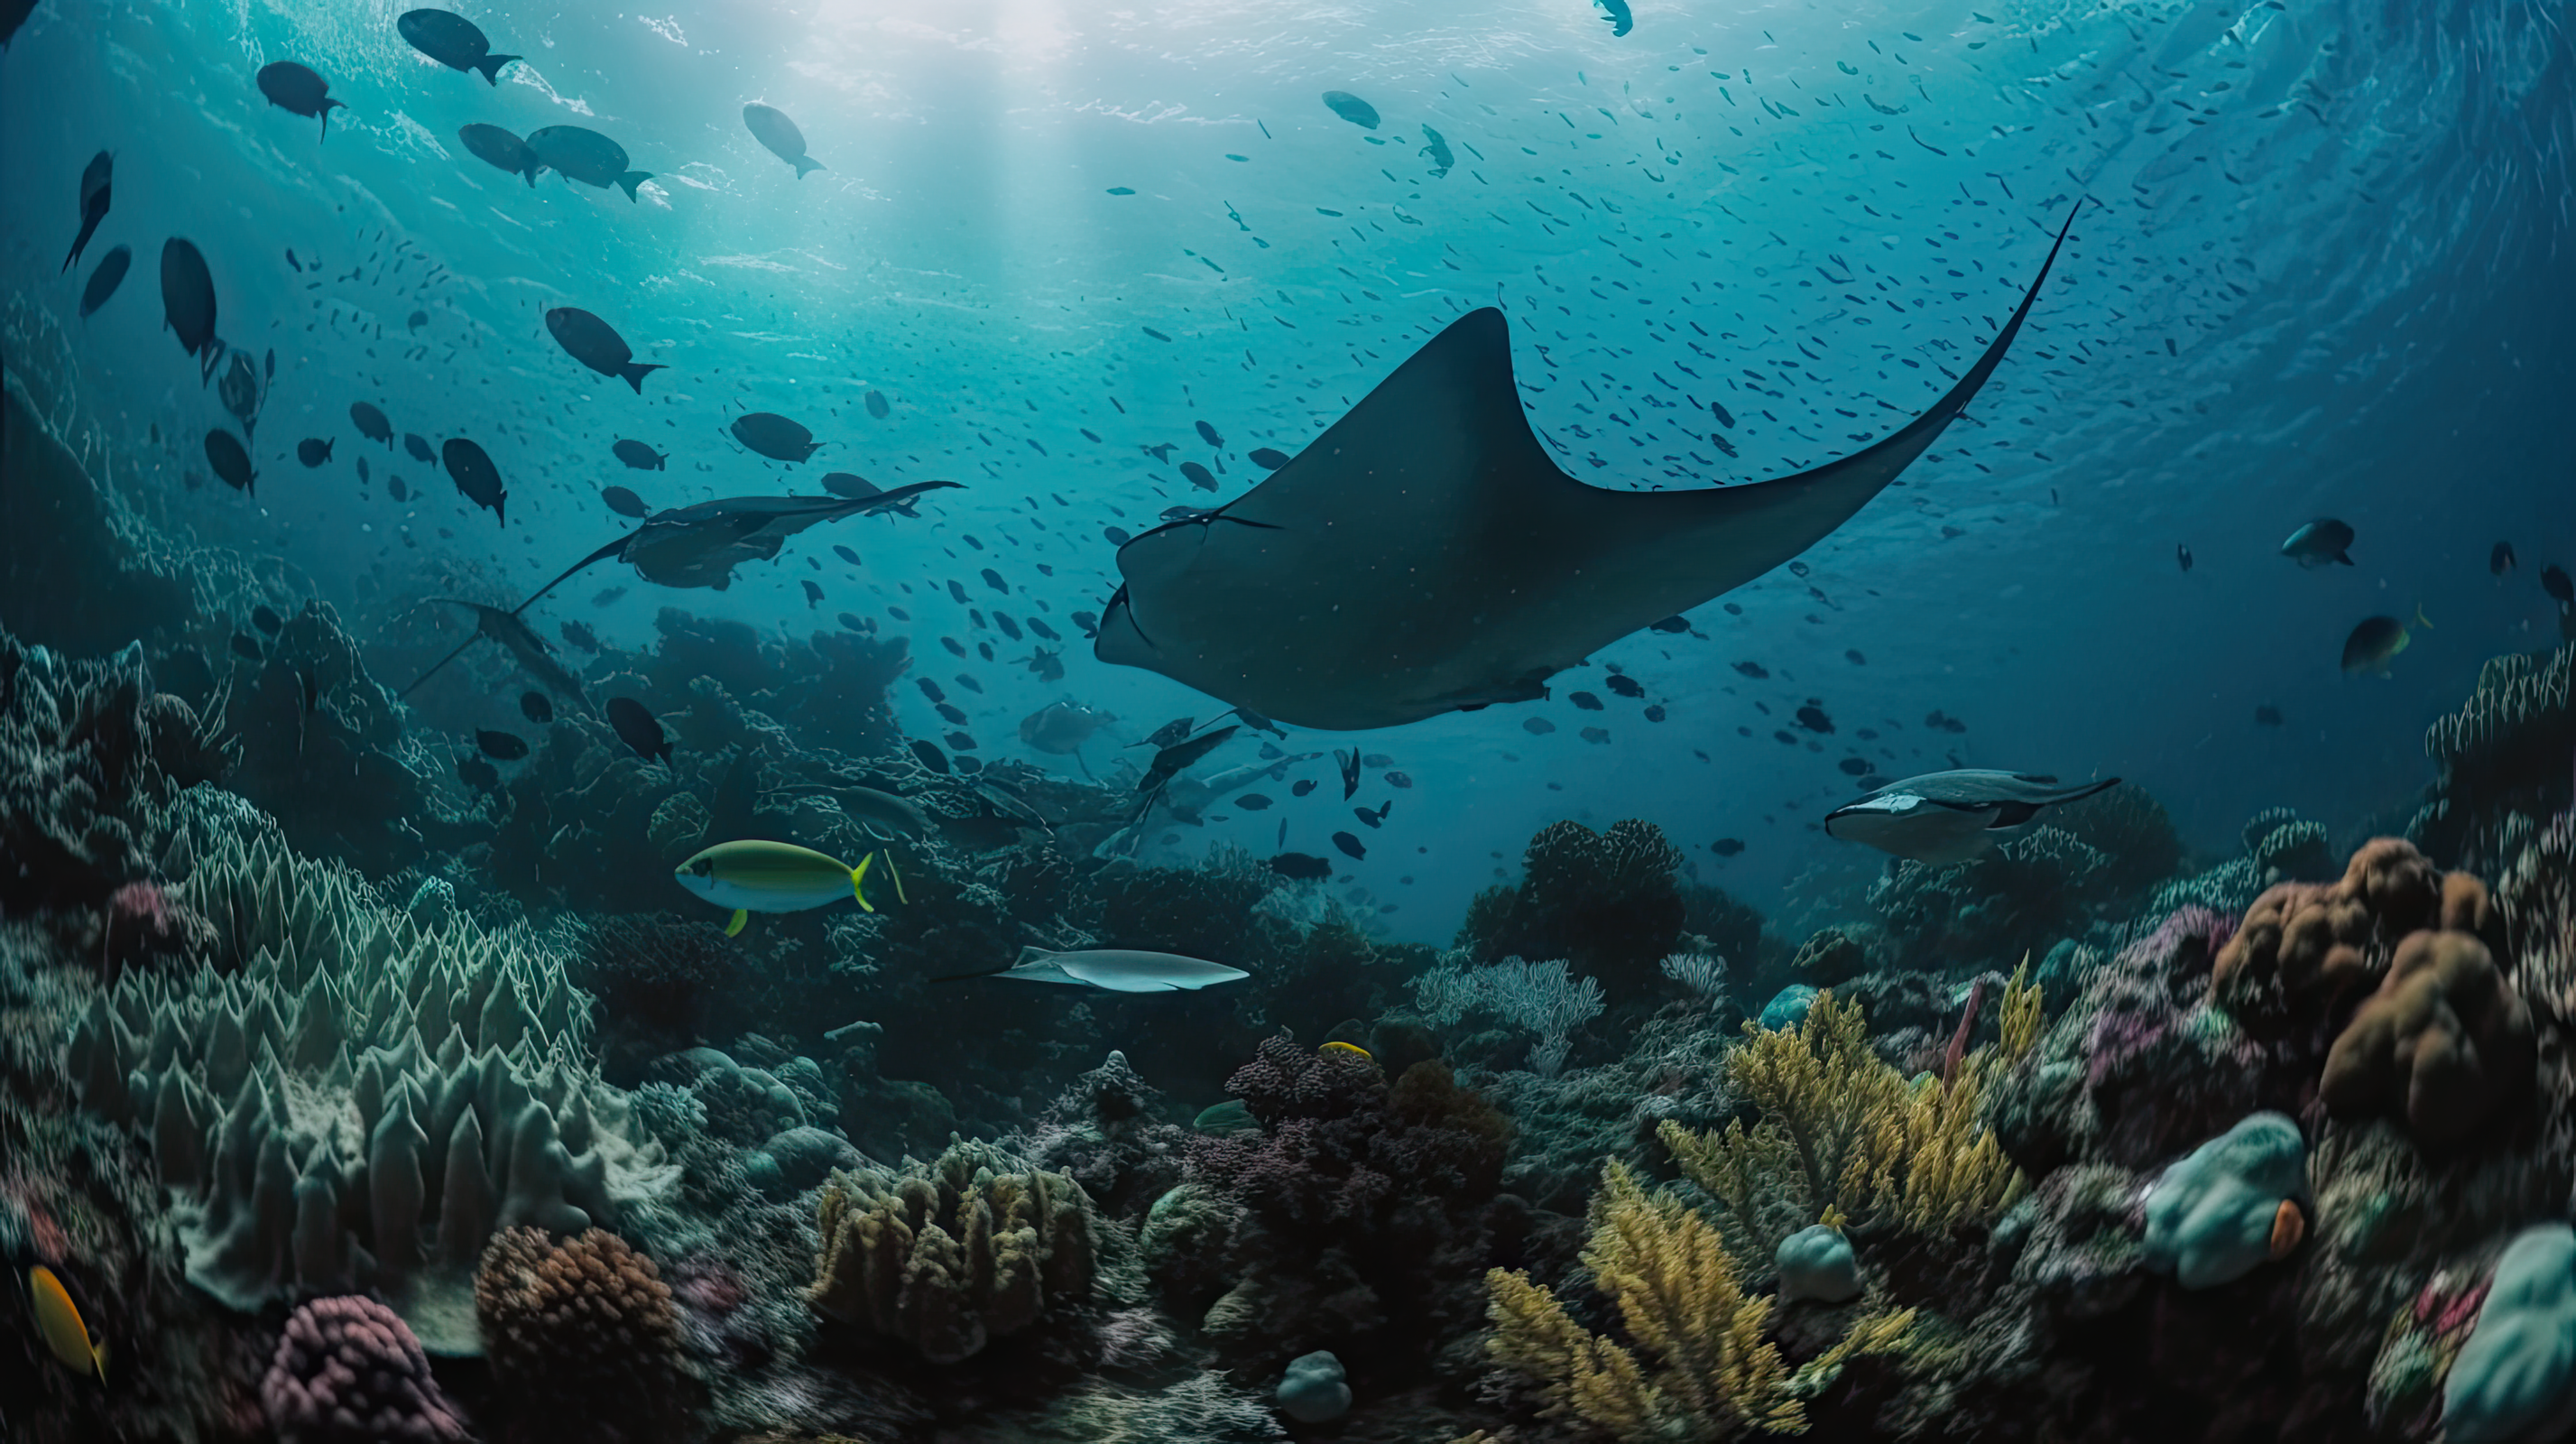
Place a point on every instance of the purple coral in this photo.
(347, 1369)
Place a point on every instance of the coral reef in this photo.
(582, 1338)
(949, 1255)
(1606, 901)
(2446, 1041)
(347, 1371)
(2503, 753)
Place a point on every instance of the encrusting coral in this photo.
(950, 1255)
(582, 1338)
(1701, 1369)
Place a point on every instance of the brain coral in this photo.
(582, 1336)
(2446, 1039)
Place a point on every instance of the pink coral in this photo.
(348, 1369)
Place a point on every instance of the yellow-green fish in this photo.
(776, 877)
(59, 1320)
(1352, 1049)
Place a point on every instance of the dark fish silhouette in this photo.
(639, 456)
(930, 756)
(2501, 560)
(586, 156)
(1438, 150)
(638, 729)
(2553, 580)
(770, 126)
(96, 185)
(1268, 458)
(1351, 108)
(241, 392)
(624, 502)
(265, 618)
(1377, 818)
(1167, 734)
(1301, 787)
(1253, 802)
(1727, 846)
(104, 281)
(1350, 765)
(452, 41)
(371, 423)
(859, 488)
(394, 488)
(1618, 18)
(188, 303)
(2267, 715)
(1486, 572)
(500, 746)
(1199, 476)
(1209, 434)
(2182, 556)
(419, 447)
(878, 406)
(498, 147)
(476, 476)
(1301, 867)
(246, 647)
(225, 453)
(296, 90)
(1350, 846)
(2373, 644)
(1671, 626)
(595, 344)
(774, 436)
(1169, 762)
(313, 451)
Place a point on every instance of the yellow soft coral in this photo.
(1841, 1129)
(1701, 1369)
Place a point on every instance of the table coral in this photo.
(347, 1371)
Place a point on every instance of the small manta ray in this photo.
(699, 546)
(523, 643)
(1114, 970)
(1942, 818)
(1330, 599)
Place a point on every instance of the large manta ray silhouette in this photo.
(689, 546)
(1425, 554)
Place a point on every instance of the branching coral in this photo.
(950, 1255)
(582, 1337)
(1701, 1369)
(1840, 1127)
(2505, 751)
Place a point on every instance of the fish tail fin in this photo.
(898, 878)
(741, 916)
(531, 174)
(806, 164)
(491, 65)
(633, 178)
(636, 371)
(859, 881)
(98, 1359)
(2344, 557)
(2420, 619)
(1031, 953)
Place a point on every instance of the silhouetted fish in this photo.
(1268, 458)
(878, 406)
(1209, 434)
(586, 156)
(500, 746)
(639, 456)
(96, 189)
(265, 618)
(188, 303)
(1199, 476)
(296, 90)
(1301, 867)
(595, 344)
(533, 705)
(930, 756)
(1349, 844)
(419, 447)
(452, 41)
(2501, 560)
(637, 728)
(225, 453)
(1351, 108)
(498, 147)
(476, 476)
(371, 423)
(313, 451)
(774, 436)
(104, 281)
(624, 502)
(770, 126)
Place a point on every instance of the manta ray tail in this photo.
(601, 555)
(441, 662)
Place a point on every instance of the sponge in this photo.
(1313, 1391)
(2233, 1203)
(1816, 1263)
(2515, 1379)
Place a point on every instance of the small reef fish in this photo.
(1347, 1050)
(640, 457)
(779, 136)
(452, 41)
(585, 156)
(2553, 580)
(59, 1320)
(2320, 543)
(774, 877)
(1114, 970)
(1942, 818)
(2182, 556)
(1301, 867)
(297, 90)
(1617, 18)
(2501, 560)
(1351, 108)
(97, 192)
(2376, 642)
(371, 423)
(637, 728)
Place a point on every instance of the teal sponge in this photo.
(2515, 1379)
(2230, 1205)
(1313, 1391)
(1816, 1263)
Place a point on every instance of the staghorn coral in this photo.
(582, 1338)
(347, 1371)
(1701, 1369)
(949, 1255)
(2446, 1041)
(1842, 1129)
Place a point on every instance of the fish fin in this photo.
(858, 882)
(806, 165)
(601, 555)
(2343, 557)
(2013, 814)
(898, 878)
(491, 65)
(531, 174)
(741, 916)
(2420, 619)
(632, 179)
(636, 371)
(98, 1359)
(1030, 953)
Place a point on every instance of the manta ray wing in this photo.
(1426, 554)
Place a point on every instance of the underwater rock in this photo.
(1817, 1263)
(1312, 1391)
(949, 1255)
(69, 577)
(581, 1337)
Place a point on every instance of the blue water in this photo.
(2323, 270)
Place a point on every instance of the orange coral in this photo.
(2445, 1036)
(2289, 1225)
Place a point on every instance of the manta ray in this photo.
(1425, 554)
(1942, 818)
(689, 546)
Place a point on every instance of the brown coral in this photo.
(581, 1335)
(2302, 944)
(2445, 1036)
